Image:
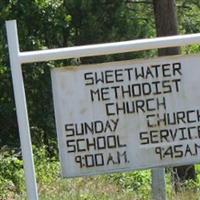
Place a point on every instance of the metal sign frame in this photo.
(17, 58)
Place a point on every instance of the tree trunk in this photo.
(166, 25)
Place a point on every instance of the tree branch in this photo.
(140, 1)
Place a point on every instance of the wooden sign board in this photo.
(128, 115)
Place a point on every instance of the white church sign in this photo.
(127, 115)
(130, 115)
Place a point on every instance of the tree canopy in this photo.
(46, 24)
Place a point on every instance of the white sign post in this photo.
(21, 107)
(18, 58)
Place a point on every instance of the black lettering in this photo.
(80, 147)
(90, 143)
(99, 126)
(156, 83)
(115, 122)
(123, 108)
(144, 139)
(198, 116)
(119, 144)
(146, 88)
(122, 156)
(115, 88)
(161, 120)
(79, 129)
(173, 134)
(189, 117)
(189, 131)
(108, 126)
(156, 69)
(149, 73)
(89, 128)
(178, 153)
(180, 117)
(130, 107)
(136, 90)
(168, 152)
(111, 159)
(71, 147)
(188, 150)
(109, 76)
(149, 106)
(166, 70)
(176, 69)
(99, 79)
(101, 142)
(111, 141)
(151, 123)
(158, 150)
(139, 74)
(99, 160)
(164, 134)
(154, 137)
(177, 85)
(89, 160)
(198, 131)
(94, 94)
(183, 137)
(166, 86)
(127, 91)
(140, 105)
(109, 107)
(105, 94)
(128, 70)
(69, 128)
(89, 78)
(161, 103)
(118, 75)
(79, 161)
(171, 120)
(196, 147)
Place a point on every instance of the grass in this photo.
(107, 187)
(84, 189)
(126, 186)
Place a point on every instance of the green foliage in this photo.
(127, 186)
(188, 14)
(191, 49)
(47, 169)
(11, 174)
(137, 182)
(46, 24)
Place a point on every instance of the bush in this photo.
(11, 173)
(138, 182)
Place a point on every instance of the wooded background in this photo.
(46, 24)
